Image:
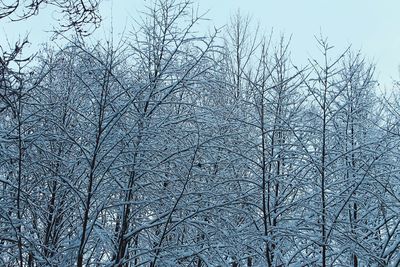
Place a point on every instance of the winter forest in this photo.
(176, 147)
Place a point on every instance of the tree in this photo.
(16, 137)
(324, 94)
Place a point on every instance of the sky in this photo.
(368, 25)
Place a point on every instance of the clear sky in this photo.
(370, 25)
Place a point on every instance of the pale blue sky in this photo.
(370, 25)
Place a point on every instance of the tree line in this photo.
(170, 147)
